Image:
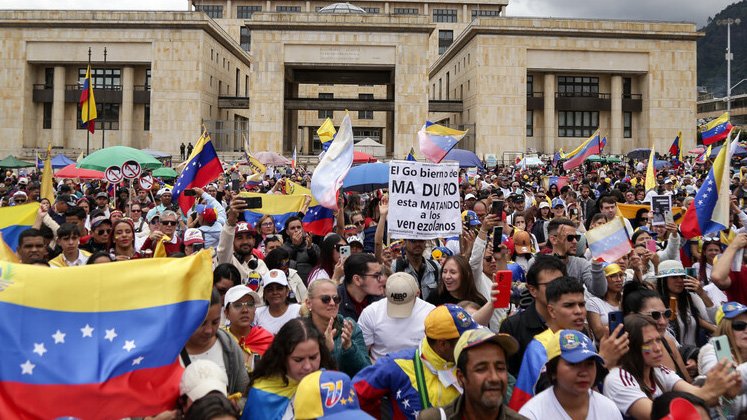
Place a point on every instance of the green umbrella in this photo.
(605, 159)
(11, 162)
(164, 172)
(116, 156)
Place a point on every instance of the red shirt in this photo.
(737, 292)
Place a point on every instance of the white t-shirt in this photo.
(387, 335)
(601, 307)
(545, 405)
(623, 389)
(264, 319)
(214, 354)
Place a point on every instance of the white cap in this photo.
(237, 292)
(275, 276)
(163, 191)
(202, 377)
(544, 205)
(470, 196)
(193, 236)
(401, 292)
(23, 180)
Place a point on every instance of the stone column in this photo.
(228, 13)
(466, 18)
(58, 109)
(550, 130)
(308, 7)
(268, 6)
(386, 8)
(616, 116)
(425, 9)
(125, 108)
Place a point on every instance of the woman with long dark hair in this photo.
(710, 249)
(456, 283)
(330, 264)
(122, 245)
(298, 350)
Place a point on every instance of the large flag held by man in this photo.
(333, 166)
(592, 146)
(88, 103)
(202, 168)
(436, 141)
(716, 130)
(66, 354)
(709, 212)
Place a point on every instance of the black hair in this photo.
(46, 232)
(287, 223)
(212, 405)
(29, 233)
(227, 271)
(76, 212)
(275, 258)
(98, 254)
(544, 263)
(685, 308)
(554, 224)
(632, 361)
(67, 230)
(635, 296)
(562, 286)
(357, 264)
(660, 407)
(275, 361)
(638, 233)
(214, 297)
(327, 251)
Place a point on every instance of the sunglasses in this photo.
(104, 231)
(359, 223)
(327, 298)
(168, 222)
(739, 325)
(656, 315)
(571, 238)
(241, 305)
(135, 210)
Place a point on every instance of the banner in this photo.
(423, 200)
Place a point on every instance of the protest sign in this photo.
(423, 200)
(660, 204)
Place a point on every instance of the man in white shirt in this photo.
(397, 322)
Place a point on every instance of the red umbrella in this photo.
(70, 171)
(697, 151)
(360, 157)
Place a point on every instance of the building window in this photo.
(445, 15)
(627, 125)
(49, 78)
(47, 121)
(245, 38)
(288, 9)
(102, 78)
(371, 133)
(485, 13)
(213, 11)
(530, 123)
(405, 11)
(578, 86)
(147, 79)
(107, 117)
(365, 115)
(326, 113)
(246, 86)
(146, 118)
(530, 86)
(445, 38)
(245, 12)
(372, 10)
(627, 87)
(577, 123)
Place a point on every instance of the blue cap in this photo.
(731, 310)
(557, 201)
(441, 251)
(573, 346)
(327, 394)
(470, 217)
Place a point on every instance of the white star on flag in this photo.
(406, 403)
(87, 331)
(129, 345)
(110, 335)
(27, 368)
(59, 337)
(39, 349)
(137, 360)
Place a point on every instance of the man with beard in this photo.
(425, 271)
(237, 245)
(483, 374)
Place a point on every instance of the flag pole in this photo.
(103, 108)
(88, 132)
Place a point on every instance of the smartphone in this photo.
(668, 218)
(691, 272)
(722, 348)
(344, 251)
(252, 202)
(673, 308)
(502, 284)
(497, 238)
(615, 318)
(189, 193)
(497, 208)
(651, 245)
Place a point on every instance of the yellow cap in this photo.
(472, 338)
(611, 269)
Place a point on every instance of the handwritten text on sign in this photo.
(423, 200)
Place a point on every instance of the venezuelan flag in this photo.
(98, 341)
(629, 211)
(592, 146)
(317, 221)
(269, 398)
(16, 219)
(560, 181)
(202, 167)
(610, 241)
(709, 212)
(436, 140)
(534, 360)
(88, 103)
(334, 165)
(676, 148)
(717, 129)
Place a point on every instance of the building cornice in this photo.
(340, 22)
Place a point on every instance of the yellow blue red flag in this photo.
(88, 113)
(16, 219)
(436, 141)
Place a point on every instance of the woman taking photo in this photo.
(330, 264)
(641, 378)
(277, 310)
(343, 337)
(456, 284)
(298, 350)
(597, 309)
(123, 241)
(710, 249)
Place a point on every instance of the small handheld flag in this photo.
(436, 141)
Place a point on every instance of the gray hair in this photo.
(169, 213)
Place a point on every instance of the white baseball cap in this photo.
(275, 276)
(401, 292)
(237, 292)
(193, 236)
(202, 377)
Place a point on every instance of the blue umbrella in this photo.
(59, 161)
(465, 158)
(367, 177)
(639, 154)
(661, 164)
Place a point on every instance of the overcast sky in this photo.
(674, 10)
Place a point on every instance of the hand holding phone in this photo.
(344, 251)
(668, 217)
(651, 245)
(722, 348)
(615, 318)
(502, 288)
(497, 238)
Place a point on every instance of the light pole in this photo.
(729, 56)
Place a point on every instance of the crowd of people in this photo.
(409, 328)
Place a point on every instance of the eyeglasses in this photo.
(656, 315)
(374, 275)
(241, 305)
(19, 200)
(571, 238)
(168, 222)
(154, 222)
(104, 231)
(739, 325)
(267, 224)
(327, 298)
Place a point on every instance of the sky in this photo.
(696, 11)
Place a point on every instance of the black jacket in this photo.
(523, 327)
(305, 258)
(347, 306)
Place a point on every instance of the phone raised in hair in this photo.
(497, 238)
(722, 348)
(502, 284)
(497, 208)
(615, 318)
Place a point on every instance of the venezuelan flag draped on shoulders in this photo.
(202, 167)
(709, 212)
(535, 357)
(436, 141)
(98, 341)
(717, 129)
(592, 146)
(16, 219)
(269, 399)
